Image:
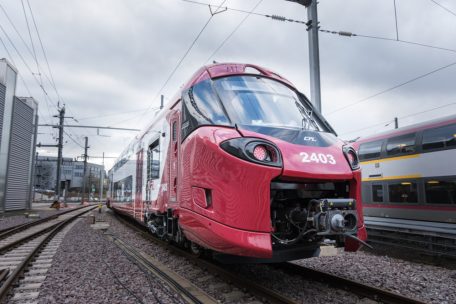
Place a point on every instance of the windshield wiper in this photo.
(306, 116)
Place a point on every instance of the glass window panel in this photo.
(440, 192)
(365, 192)
(259, 101)
(153, 161)
(401, 144)
(403, 192)
(439, 137)
(370, 150)
(377, 193)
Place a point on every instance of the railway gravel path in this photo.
(7, 221)
(88, 268)
(80, 272)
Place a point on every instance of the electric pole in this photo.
(102, 181)
(396, 123)
(60, 146)
(84, 174)
(314, 53)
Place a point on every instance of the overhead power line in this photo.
(234, 31)
(44, 52)
(184, 55)
(226, 8)
(444, 7)
(392, 88)
(350, 34)
(401, 117)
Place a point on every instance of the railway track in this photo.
(368, 291)
(271, 296)
(265, 294)
(14, 229)
(187, 291)
(31, 249)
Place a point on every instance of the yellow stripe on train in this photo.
(380, 178)
(389, 159)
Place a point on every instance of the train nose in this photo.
(316, 162)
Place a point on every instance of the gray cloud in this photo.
(112, 56)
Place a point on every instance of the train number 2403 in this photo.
(318, 158)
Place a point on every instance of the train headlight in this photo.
(254, 150)
(352, 157)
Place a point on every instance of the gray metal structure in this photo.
(18, 121)
(314, 52)
(314, 55)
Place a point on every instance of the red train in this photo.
(240, 163)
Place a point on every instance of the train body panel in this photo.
(241, 163)
(409, 173)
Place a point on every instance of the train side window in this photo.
(377, 193)
(153, 161)
(370, 150)
(440, 192)
(174, 131)
(365, 189)
(403, 192)
(440, 138)
(403, 144)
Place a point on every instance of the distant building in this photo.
(18, 125)
(71, 175)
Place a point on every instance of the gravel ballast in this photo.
(79, 274)
(88, 268)
(8, 221)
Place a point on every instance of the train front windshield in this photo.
(259, 101)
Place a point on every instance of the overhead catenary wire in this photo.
(31, 40)
(272, 16)
(401, 117)
(444, 7)
(44, 52)
(234, 30)
(392, 88)
(350, 34)
(176, 67)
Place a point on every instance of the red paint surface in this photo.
(222, 238)
(238, 220)
(240, 189)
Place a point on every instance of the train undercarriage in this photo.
(304, 216)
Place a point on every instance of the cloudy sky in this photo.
(110, 58)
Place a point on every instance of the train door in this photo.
(173, 157)
(137, 208)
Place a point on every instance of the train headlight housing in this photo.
(255, 150)
(352, 157)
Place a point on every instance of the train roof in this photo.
(216, 70)
(411, 128)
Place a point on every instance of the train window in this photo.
(365, 192)
(440, 138)
(440, 192)
(153, 161)
(370, 150)
(259, 101)
(401, 144)
(403, 192)
(201, 106)
(377, 193)
(174, 131)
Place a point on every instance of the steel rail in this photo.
(3, 274)
(259, 291)
(11, 230)
(6, 286)
(364, 290)
(186, 291)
